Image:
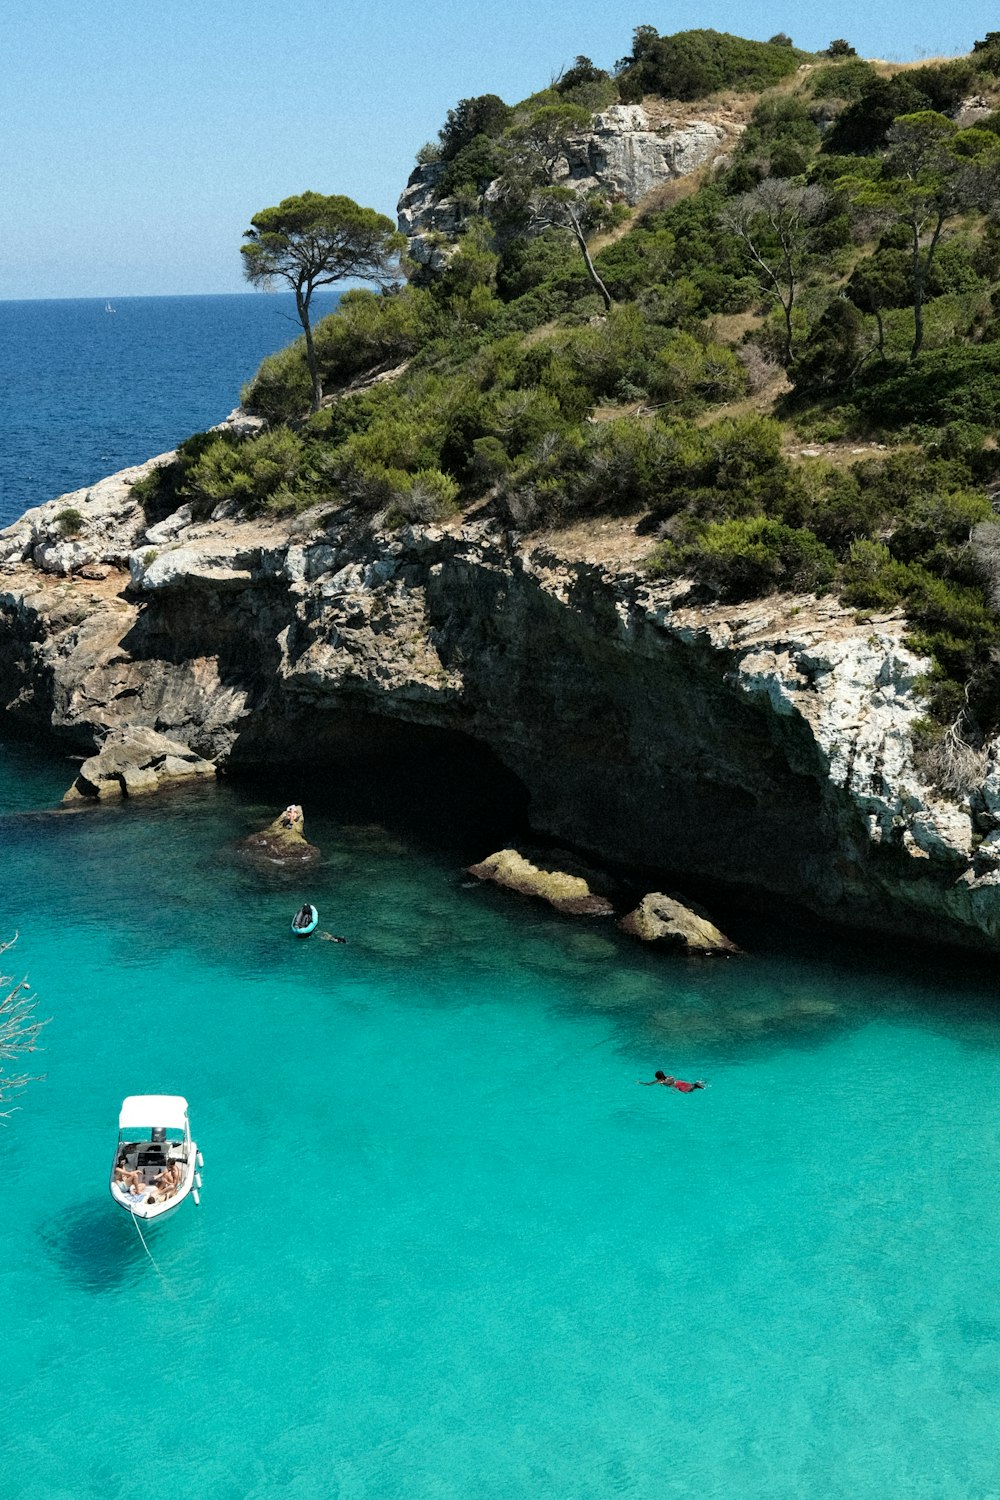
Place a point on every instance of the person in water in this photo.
(669, 1082)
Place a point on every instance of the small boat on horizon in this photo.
(156, 1161)
(109, 308)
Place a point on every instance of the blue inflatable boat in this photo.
(305, 921)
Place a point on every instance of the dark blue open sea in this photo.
(447, 1249)
(84, 391)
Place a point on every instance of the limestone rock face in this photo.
(569, 894)
(622, 155)
(767, 745)
(669, 922)
(132, 762)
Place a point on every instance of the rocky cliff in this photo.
(625, 154)
(766, 745)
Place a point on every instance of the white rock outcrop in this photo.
(133, 762)
(622, 155)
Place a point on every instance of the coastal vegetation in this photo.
(785, 377)
(311, 241)
(19, 1032)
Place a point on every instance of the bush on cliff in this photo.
(692, 64)
(368, 331)
(744, 558)
(269, 471)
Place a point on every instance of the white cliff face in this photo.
(767, 744)
(625, 158)
(622, 155)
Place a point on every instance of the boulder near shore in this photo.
(282, 842)
(671, 924)
(133, 762)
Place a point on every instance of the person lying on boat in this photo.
(680, 1084)
(303, 916)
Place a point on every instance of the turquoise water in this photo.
(446, 1248)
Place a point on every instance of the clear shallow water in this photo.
(84, 392)
(446, 1247)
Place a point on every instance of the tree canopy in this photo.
(312, 240)
(931, 172)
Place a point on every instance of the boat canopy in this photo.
(141, 1111)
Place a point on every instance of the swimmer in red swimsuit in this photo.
(680, 1084)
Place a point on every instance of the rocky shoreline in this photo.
(766, 746)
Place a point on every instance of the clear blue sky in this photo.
(138, 140)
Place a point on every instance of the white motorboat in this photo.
(156, 1163)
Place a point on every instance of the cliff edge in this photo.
(766, 745)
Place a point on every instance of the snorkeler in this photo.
(680, 1084)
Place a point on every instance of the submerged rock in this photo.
(134, 762)
(570, 894)
(282, 842)
(665, 920)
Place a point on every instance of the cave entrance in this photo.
(437, 787)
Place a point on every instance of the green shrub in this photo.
(744, 558)
(69, 521)
(486, 114)
(595, 96)
(778, 122)
(873, 579)
(267, 470)
(846, 80)
(955, 269)
(424, 497)
(281, 388)
(830, 502)
(944, 85)
(936, 521)
(583, 71)
(692, 64)
(368, 329)
(944, 385)
(862, 127)
(687, 373)
(833, 353)
(471, 169)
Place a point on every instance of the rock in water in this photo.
(282, 842)
(664, 919)
(132, 762)
(570, 894)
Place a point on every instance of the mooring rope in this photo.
(138, 1228)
